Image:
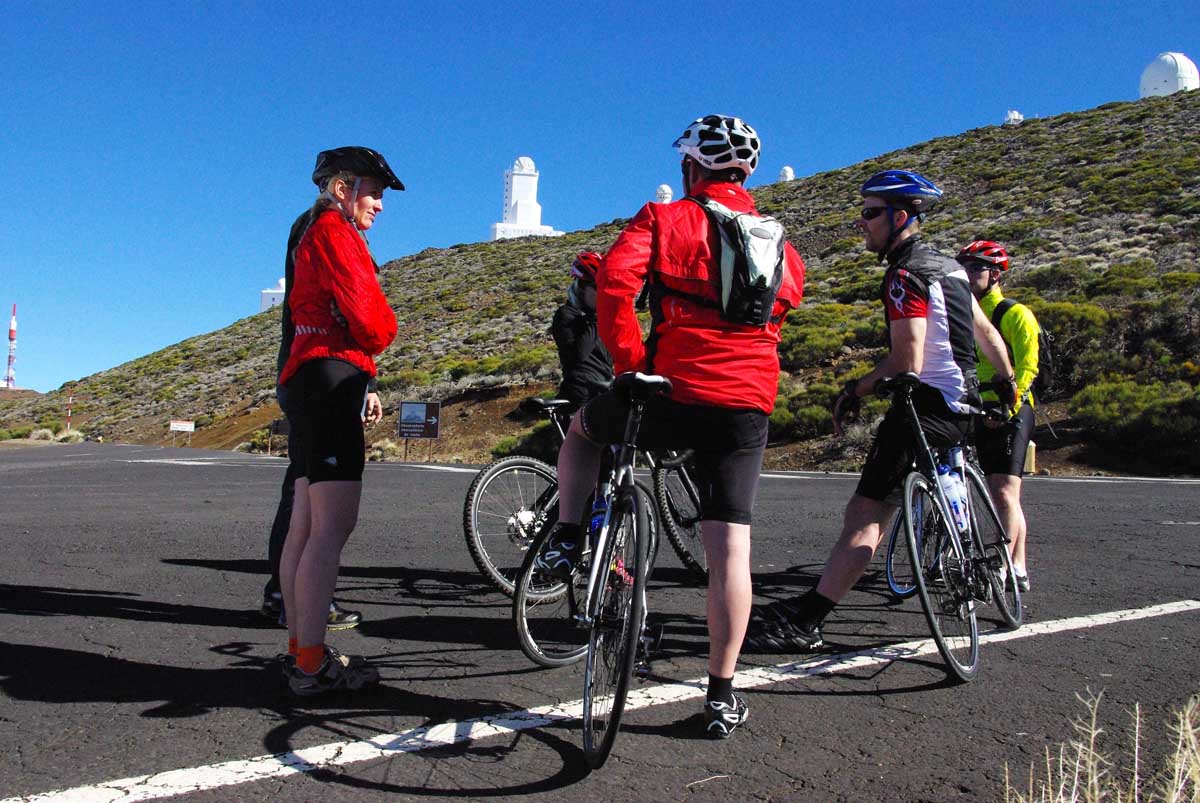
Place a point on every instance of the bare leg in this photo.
(729, 592)
(1006, 493)
(293, 548)
(334, 512)
(578, 468)
(862, 530)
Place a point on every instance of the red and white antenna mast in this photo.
(10, 378)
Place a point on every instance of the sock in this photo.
(293, 647)
(308, 659)
(812, 609)
(720, 689)
(569, 534)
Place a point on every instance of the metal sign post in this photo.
(419, 420)
(182, 426)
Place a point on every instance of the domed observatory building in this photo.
(522, 212)
(1168, 74)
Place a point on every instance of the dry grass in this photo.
(1083, 772)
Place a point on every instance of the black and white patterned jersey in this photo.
(921, 282)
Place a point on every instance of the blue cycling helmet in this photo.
(905, 189)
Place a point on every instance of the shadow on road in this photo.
(92, 603)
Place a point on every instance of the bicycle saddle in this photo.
(549, 404)
(903, 382)
(636, 385)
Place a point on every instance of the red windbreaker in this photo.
(709, 360)
(333, 264)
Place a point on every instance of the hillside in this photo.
(1100, 209)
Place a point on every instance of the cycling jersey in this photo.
(1020, 330)
(920, 282)
(586, 365)
(710, 360)
(334, 265)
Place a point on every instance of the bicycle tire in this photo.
(942, 582)
(509, 502)
(616, 629)
(992, 543)
(652, 526)
(679, 511)
(544, 612)
(899, 567)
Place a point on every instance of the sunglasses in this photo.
(872, 212)
(977, 267)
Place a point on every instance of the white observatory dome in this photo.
(524, 165)
(1168, 74)
(664, 194)
(787, 173)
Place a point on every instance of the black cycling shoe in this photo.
(772, 629)
(339, 618)
(722, 719)
(342, 619)
(272, 604)
(562, 553)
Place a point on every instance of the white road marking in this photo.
(337, 754)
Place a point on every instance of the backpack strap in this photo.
(998, 313)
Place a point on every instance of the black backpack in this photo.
(1043, 383)
(751, 264)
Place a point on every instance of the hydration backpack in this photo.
(751, 261)
(1043, 383)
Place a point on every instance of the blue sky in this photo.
(156, 153)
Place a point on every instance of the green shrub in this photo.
(1154, 425)
(5, 435)
(20, 432)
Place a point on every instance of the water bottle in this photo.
(953, 489)
(599, 508)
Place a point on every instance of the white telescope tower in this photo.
(10, 378)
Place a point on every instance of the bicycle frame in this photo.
(614, 489)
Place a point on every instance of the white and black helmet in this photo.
(719, 142)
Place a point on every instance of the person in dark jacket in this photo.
(587, 368)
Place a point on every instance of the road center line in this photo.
(232, 773)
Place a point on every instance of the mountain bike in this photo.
(953, 571)
(513, 500)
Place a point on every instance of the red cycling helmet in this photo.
(984, 251)
(585, 266)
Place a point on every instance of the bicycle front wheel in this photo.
(544, 611)
(679, 511)
(616, 627)
(943, 578)
(508, 504)
(899, 561)
(992, 544)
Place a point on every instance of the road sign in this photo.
(419, 419)
(182, 426)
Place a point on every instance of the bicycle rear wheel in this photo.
(992, 543)
(943, 580)
(616, 628)
(508, 504)
(544, 612)
(679, 510)
(899, 561)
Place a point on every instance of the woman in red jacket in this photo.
(342, 319)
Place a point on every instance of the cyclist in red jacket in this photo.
(342, 319)
(724, 374)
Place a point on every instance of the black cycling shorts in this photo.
(728, 446)
(325, 402)
(1002, 450)
(895, 448)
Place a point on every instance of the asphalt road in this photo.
(134, 664)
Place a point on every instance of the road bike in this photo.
(953, 571)
(606, 595)
(513, 500)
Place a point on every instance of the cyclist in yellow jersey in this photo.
(1002, 446)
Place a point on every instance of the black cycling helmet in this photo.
(357, 160)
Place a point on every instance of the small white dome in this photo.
(524, 165)
(787, 173)
(1168, 74)
(664, 194)
(1013, 117)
